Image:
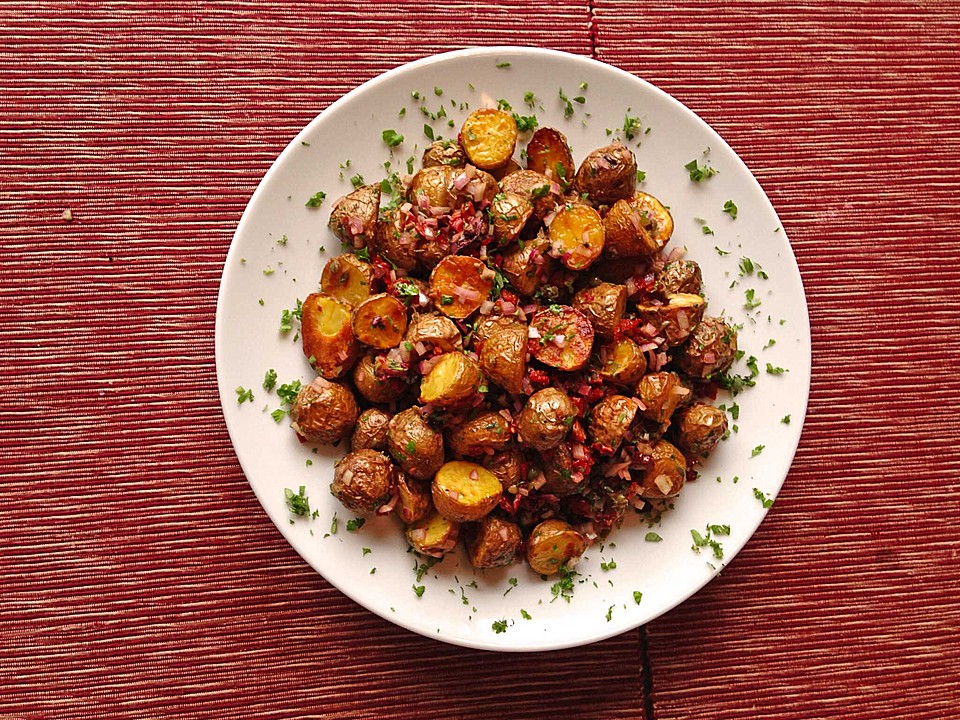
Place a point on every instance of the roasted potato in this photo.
(535, 187)
(327, 335)
(604, 305)
(363, 480)
(501, 172)
(435, 183)
(465, 491)
(508, 466)
(488, 326)
(607, 174)
(452, 380)
(676, 319)
(371, 430)
(577, 236)
(413, 498)
(660, 394)
(354, 217)
(323, 412)
(444, 152)
(433, 535)
(552, 544)
(509, 213)
(564, 337)
(503, 356)
(680, 276)
(548, 153)
(374, 387)
(380, 321)
(640, 225)
(698, 428)
(710, 349)
(412, 292)
(459, 284)
(493, 542)
(417, 448)
(489, 137)
(619, 270)
(665, 478)
(610, 419)
(558, 470)
(625, 363)
(434, 330)
(545, 419)
(483, 435)
(397, 241)
(527, 265)
(347, 278)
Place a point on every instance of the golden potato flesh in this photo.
(610, 419)
(433, 535)
(380, 321)
(347, 278)
(483, 435)
(625, 363)
(363, 480)
(494, 542)
(327, 335)
(459, 284)
(489, 137)
(549, 153)
(323, 412)
(465, 491)
(552, 544)
(413, 498)
(577, 236)
(604, 306)
(510, 213)
(503, 356)
(677, 319)
(453, 379)
(665, 478)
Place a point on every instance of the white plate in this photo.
(248, 343)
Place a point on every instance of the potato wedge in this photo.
(607, 174)
(535, 187)
(327, 335)
(527, 265)
(638, 226)
(323, 412)
(604, 305)
(665, 478)
(416, 447)
(483, 435)
(452, 380)
(489, 137)
(510, 213)
(444, 152)
(459, 284)
(380, 321)
(676, 320)
(372, 386)
(625, 363)
(549, 153)
(503, 356)
(413, 498)
(577, 236)
(564, 337)
(552, 544)
(433, 535)
(610, 419)
(465, 491)
(493, 542)
(433, 330)
(347, 278)
(661, 393)
(354, 217)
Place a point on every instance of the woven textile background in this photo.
(139, 576)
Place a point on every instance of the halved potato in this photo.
(503, 356)
(433, 535)
(347, 278)
(380, 321)
(677, 319)
(509, 213)
(626, 363)
(453, 379)
(665, 478)
(549, 153)
(413, 498)
(564, 337)
(494, 542)
(552, 544)
(577, 236)
(434, 330)
(604, 305)
(436, 183)
(527, 265)
(465, 491)
(459, 284)
(607, 174)
(327, 335)
(509, 466)
(640, 225)
(489, 137)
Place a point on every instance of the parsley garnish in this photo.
(652, 537)
(775, 370)
(513, 583)
(316, 200)
(699, 173)
(746, 266)
(641, 176)
(564, 586)
(357, 180)
(504, 64)
(610, 613)
(244, 395)
(438, 91)
(499, 626)
(270, 380)
(759, 495)
(525, 123)
(631, 126)
(428, 131)
(355, 524)
(700, 541)
(607, 566)
(785, 419)
(637, 596)
(418, 590)
(757, 450)
(392, 138)
(730, 208)
(567, 105)
(297, 502)
(529, 98)
(525, 615)
(751, 302)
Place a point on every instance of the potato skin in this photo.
(395, 243)
(558, 471)
(607, 174)
(610, 419)
(444, 152)
(510, 213)
(363, 480)
(665, 478)
(661, 393)
(371, 430)
(535, 187)
(493, 542)
(433, 535)
(354, 217)
(680, 276)
(698, 428)
(545, 419)
(374, 388)
(675, 320)
(489, 137)
(483, 435)
(465, 491)
(327, 335)
(500, 173)
(573, 326)
(434, 330)
(380, 321)
(347, 278)
(489, 326)
(436, 183)
(527, 266)
(467, 273)
(548, 152)
(604, 306)
(625, 364)
(710, 349)
(413, 498)
(552, 544)
(452, 380)
(508, 466)
(503, 356)
(324, 412)
(415, 446)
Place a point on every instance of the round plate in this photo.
(279, 250)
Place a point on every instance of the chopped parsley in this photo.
(746, 266)
(707, 540)
(641, 176)
(529, 98)
(392, 138)
(751, 301)
(631, 126)
(244, 395)
(785, 419)
(652, 537)
(607, 566)
(699, 173)
(270, 380)
(610, 613)
(418, 590)
(563, 588)
(525, 123)
(316, 200)
(446, 299)
(720, 252)
(525, 615)
(637, 596)
(513, 583)
(504, 105)
(504, 64)
(730, 208)
(438, 91)
(357, 180)
(567, 105)
(771, 370)
(428, 131)
(761, 496)
(499, 626)
(355, 524)
(297, 502)
(757, 450)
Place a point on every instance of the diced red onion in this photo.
(560, 340)
(631, 286)
(677, 253)
(635, 219)
(682, 322)
(474, 475)
(530, 309)
(486, 306)
(418, 534)
(649, 329)
(577, 451)
(639, 403)
(420, 347)
(423, 202)
(439, 210)
(648, 346)
(505, 533)
(347, 476)
(466, 294)
(453, 494)
(388, 508)
(548, 218)
(663, 482)
(555, 189)
(406, 208)
(709, 357)
(427, 365)
(461, 180)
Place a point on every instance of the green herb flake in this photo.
(567, 105)
(563, 588)
(268, 271)
(720, 252)
(608, 566)
(529, 98)
(641, 176)
(499, 626)
(438, 91)
(525, 615)
(751, 301)
(761, 496)
(504, 64)
(757, 450)
(525, 123)
(355, 524)
(730, 208)
(652, 537)
(699, 173)
(513, 583)
(746, 266)
(637, 596)
(392, 138)
(316, 200)
(428, 131)
(785, 419)
(771, 370)
(609, 615)
(297, 502)
(244, 395)
(418, 590)
(270, 380)
(631, 126)
(357, 180)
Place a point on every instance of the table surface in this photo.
(139, 576)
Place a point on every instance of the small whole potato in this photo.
(503, 356)
(667, 474)
(676, 319)
(510, 213)
(354, 217)
(610, 419)
(454, 379)
(363, 480)
(607, 174)
(380, 321)
(417, 448)
(323, 412)
(374, 388)
(661, 394)
(413, 498)
(509, 466)
(604, 305)
(552, 544)
(535, 187)
(698, 428)
(465, 491)
(559, 473)
(444, 152)
(549, 153)
(371, 430)
(433, 535)
(527, 265)
(483, 435)
(396, 242)
(434, 331)
(493, 542)
(680, 276)
(710, 349)
(435, 182)
(545, 419)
